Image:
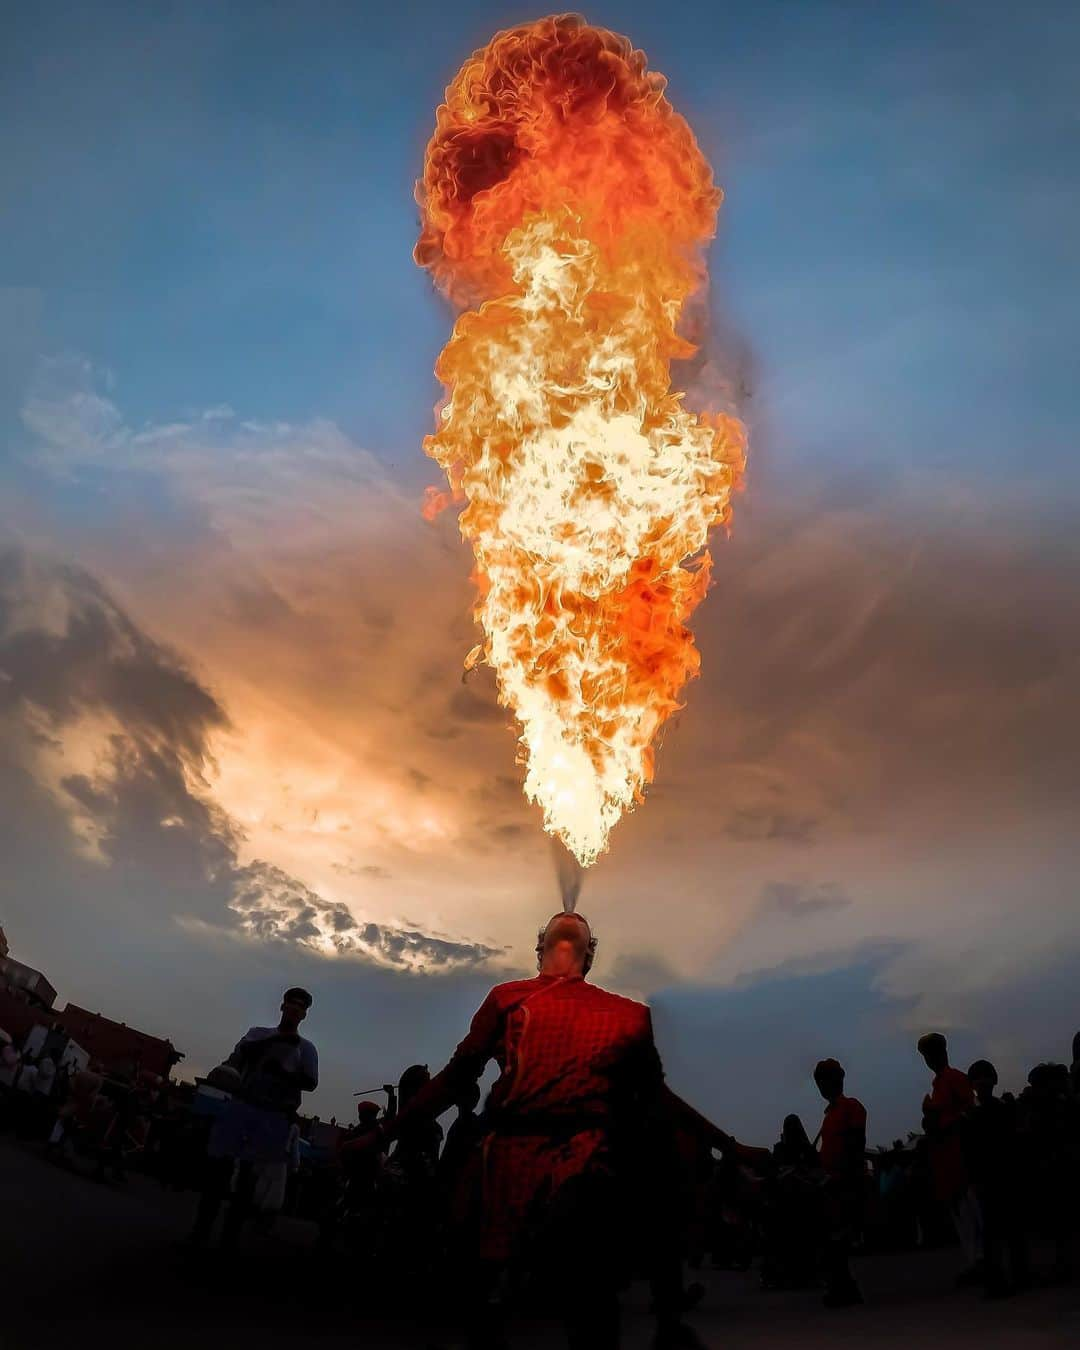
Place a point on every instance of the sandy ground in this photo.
(84, 1264)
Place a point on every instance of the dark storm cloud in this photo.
(108, 940)
(799, 902)
(68, 652)
(66, 649)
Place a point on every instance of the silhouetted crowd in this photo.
(999, 1175)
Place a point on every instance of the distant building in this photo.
(26, 982)
(120, 1050)
(19, 1016)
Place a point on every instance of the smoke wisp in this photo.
(570, 874)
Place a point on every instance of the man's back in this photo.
(843, 1138)
(951, 1096)
(990, 1142)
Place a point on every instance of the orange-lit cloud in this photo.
(883, 749)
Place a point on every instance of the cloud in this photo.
(751, 823)
(69, 650)
(799, 902)
(123, 732)
(870, 639)
(886, 698)
(746, 1053)
(641, 976)
(886, 641)
(276, 907)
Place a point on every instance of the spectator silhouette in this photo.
(992, 1153)
(945, 1108)
(269, 1069)
(419, 1137)
(462, 1138)
(843, 1161)
(794, 1149)
(792, 1211)
(1052, 1129)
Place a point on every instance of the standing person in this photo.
(25, 1097)
(46, 1076)
(842, 1156)
(419, 1139)
(411, 1209)
(793, 1148)
(945, 1109)
(458, 1180)
(274, 1065)
(355, 1202)
(458, 1169)
(578, 1070)
(462, 1139)
(76, 1115)
(1052, 1138)
(27, 1079)
(792, 1211)
(992, 1152)
(44, 1084)
(10, 1060)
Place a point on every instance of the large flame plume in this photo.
(566, 207)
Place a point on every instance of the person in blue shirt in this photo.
(270, 1068)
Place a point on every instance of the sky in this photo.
(236, 751)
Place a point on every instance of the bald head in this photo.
(565, 945)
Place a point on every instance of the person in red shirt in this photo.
(842, 1156)
(945, 1109)
(580, 1085)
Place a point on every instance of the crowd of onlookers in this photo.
(78, 1110)
(990, 1172)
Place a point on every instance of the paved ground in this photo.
(84, 1264)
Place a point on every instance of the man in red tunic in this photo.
(580, 1086)
(945, 1109)
(843, 1161)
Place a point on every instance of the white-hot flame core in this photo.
(582, 464)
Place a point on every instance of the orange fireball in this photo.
(566, 208)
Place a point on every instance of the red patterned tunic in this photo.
(578, 1064)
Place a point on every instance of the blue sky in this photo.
(216, 206)
(209, 208)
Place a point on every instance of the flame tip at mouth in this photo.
(566, 207)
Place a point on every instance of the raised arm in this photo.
(688, 1118)
(465, 1066)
